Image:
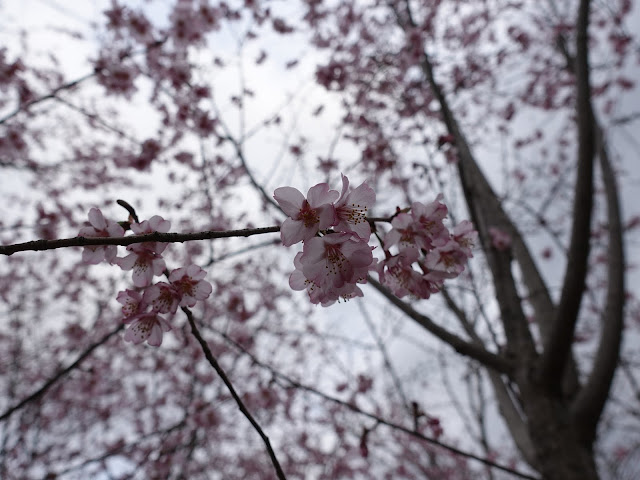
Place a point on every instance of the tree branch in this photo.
(558, 346)
(221, 373)
(463, 347)
(59, 375)
(39, 245)
(589, 404)
(485, 211)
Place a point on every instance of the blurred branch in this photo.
(385, 356)
(589, 404)
(59, 375)
(463, 347)
(506, 403)
(53, 94)
(486, 211)
(558, 344)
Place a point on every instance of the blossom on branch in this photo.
(422, 228)
(145, 258)
(189, 283)
(163, 297)
(352, 207)
(329, 267)
(308, 215)
(146, 326)
(100, 227)
(143, 324)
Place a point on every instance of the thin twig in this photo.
(216, 366)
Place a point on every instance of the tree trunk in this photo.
(559, 451)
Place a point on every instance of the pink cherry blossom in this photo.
(146, 326)
(352, 207)
(466, 236)
(398, 274)
(189, 283)
(322, 294)
(131, 301)
(447, 261)
(430, 217)
(144, 263)
(100, 227)
(145, 258)
(143, 324)
(336, 259)
(308, 215)
(403, 232)
(154, 224)
(163, 297)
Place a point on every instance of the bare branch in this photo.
(558, 345)
(39, 245)
(221, 373)
(589, 404)
(59, 375)
(506, 403)
(463, 347)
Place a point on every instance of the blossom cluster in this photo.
(422, 240)
(143, 307)
(336, 255)
(330, 266)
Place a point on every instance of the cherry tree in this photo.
(313, 239)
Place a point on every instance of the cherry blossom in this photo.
(146, 326)
(131, 301)
(403, 232)
(446, 261)
(319, 293)
(330, 266)
(143, 324)
(145, 263)
(336, 259)
(430, 217)
(100, 227)
(308, 215)
(423, 228)
(466, 236)
(163, 297)
(352, 207)
(397, 273)
(145, 259)
(189, 283)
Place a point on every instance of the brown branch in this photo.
(463, 347)
(39, 245)
(589, 404)
(486, 211)
(221, 373)
(59, 375)
(558, 346)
